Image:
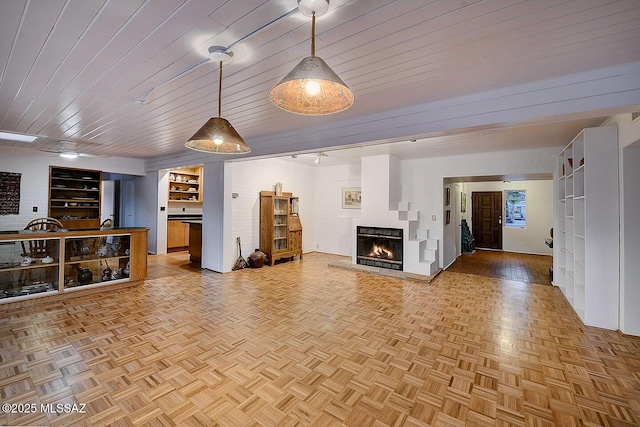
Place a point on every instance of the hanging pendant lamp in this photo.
(312, 88)
(217, 135)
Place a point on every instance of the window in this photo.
(516, 208)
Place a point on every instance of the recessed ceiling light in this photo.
(17, 137)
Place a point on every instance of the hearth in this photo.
(380, 247)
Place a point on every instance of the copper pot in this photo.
(257, 259)
(85, 276)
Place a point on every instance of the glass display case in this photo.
(55, 262)
(21, 274)
(96, 259)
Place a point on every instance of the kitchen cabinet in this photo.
(177, 235)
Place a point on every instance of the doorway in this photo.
(486, 209)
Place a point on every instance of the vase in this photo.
(85, 276)
(257, 259)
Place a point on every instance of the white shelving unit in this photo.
(586, 226)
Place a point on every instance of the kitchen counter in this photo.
(184, 216)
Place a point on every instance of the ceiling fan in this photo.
(69, 150)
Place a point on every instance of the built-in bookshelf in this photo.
(586, 226)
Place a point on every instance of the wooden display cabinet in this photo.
(76, 260)
(185, 185)
(280, 226)
(74, 197)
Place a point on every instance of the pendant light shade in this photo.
(312, 88)
(217, 135)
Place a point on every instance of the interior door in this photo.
(108, 202)
(487, 219)
(129, 198)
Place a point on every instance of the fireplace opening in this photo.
(380, 247)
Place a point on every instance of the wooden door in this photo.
(487, 219)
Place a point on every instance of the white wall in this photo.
(630, 244)
(539, 217)
(329, 228)
(629, 145)
(333, 225)
(34, 184)
(247, 180)
(422, 180)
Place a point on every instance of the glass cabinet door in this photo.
(96, 259)
(29, 267)
(280, 220)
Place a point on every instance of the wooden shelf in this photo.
(188, 184)
(74, 196)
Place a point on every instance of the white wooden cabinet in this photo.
(586, 226)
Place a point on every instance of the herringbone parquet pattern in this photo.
(304, 344)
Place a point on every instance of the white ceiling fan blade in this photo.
(92, 155)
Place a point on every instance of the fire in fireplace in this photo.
(381, 252)
(380, 247)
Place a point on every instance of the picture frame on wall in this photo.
(351, 198)
(447, 196)
(463, 202)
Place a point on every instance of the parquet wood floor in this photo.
(304, 344)
(505, 265)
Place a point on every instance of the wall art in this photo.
(10, 193)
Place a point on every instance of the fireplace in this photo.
(380, 247)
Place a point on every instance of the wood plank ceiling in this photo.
(78, 69)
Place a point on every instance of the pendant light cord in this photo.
(313, 34)
(220, 92)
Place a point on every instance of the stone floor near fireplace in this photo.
(348, 265)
